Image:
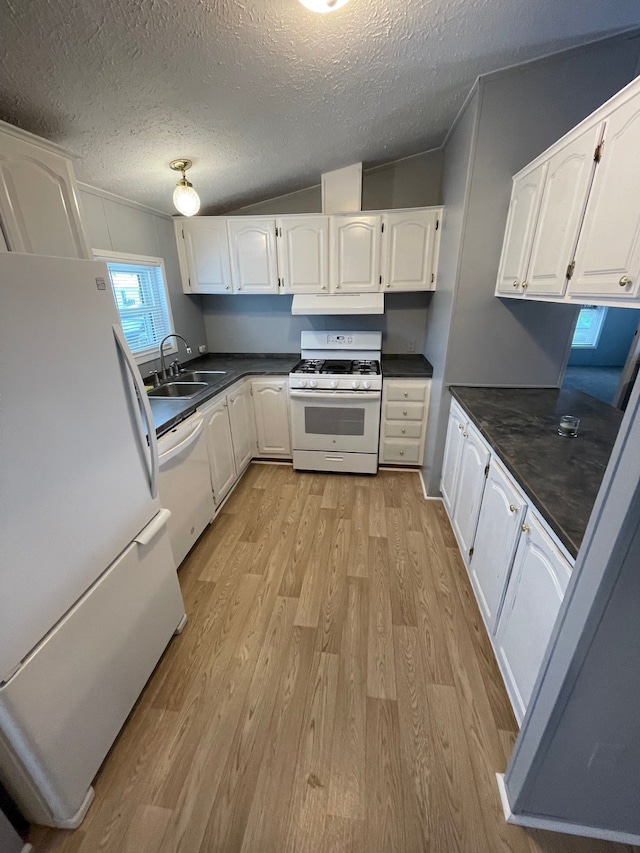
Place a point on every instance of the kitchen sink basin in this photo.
(208, 376)
(178, 390)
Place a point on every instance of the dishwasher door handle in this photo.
(181, 446)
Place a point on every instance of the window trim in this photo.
(105, 255)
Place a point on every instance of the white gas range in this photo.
(335, 392)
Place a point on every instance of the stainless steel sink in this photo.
(208, 376)
(178, 390)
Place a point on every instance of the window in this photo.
(140, 292)
(589, 326)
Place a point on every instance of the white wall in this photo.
(121, 226)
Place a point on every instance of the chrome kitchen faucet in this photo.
(163, 369)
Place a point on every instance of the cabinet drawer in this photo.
(414, 391)
(404, 452)
(401, 429)
(404, 411)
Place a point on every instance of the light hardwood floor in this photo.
(333, 692)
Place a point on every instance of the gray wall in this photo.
(411, 182)
(613, 347)
(265, 323)
(521, 112)
(10, 841)
(120, 226)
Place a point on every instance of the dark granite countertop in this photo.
(560, 475)
(406, 367)
(168, 413)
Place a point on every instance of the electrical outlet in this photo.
(411, 346)
(202, 348)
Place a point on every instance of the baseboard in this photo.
(28, 848)
(424, 489)
(554, 825)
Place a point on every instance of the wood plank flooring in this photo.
(333, 691)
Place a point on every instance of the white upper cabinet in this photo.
(304, 253)
(207, 252)
(518, 237)
(39, 208)
(252, 245)
(608, 253)
(355, 253)
(409, 253)
(569, 177)
(583, 244)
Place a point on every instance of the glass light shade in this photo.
(323, 5)
(186, 199)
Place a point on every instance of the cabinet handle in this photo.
(516, 283)
(524, 528)
(403, 430)
(624, 281)
(513, 508)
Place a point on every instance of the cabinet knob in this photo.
(402, 453)
(465, 435)
(460, 427)
(231, 399)
(387, 285)
(403, 430)
(406, 393)
(624, 281)
(404, 412)
(513, 508)
(226, 287)
(525, 285)
(524, 528)
(516, 283)
(324, 286)
(225, 404)
(338, 286)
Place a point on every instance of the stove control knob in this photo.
(302, 383)
(366, 384)
(355, 383)
(312, 383)
(333, 383)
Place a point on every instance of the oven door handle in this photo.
(363, 396)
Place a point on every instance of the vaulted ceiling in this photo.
(262, 96)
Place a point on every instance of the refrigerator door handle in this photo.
(178, 448)
(148, 533)
(144, 405)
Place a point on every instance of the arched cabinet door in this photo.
(409, 254)
(39, 209)
(304, 254)
(207, 252)
(355, 253)
(252, 245)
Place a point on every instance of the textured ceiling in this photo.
(262, 96)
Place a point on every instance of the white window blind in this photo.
(589, 326)
(141, 298)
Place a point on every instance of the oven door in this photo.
(346, 421)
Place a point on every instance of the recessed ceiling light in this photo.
(323, 5)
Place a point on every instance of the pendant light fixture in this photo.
(185, 198)
(323, 6)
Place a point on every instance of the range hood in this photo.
(338, 303)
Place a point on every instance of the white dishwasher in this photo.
(185, 483)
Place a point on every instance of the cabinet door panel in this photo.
(207, 250)
(220, 448)
(609, 245)
(538, 582)
(494, 548)
(569, 176)
(519, 231)
(38, 202)
(242, 429)
(304, 254)
(474, 458)
(252, 244)
(271, 406)
(451, 459)
(409, 247)
(355, 253)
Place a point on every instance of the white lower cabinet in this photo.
(220, 446)
(405, 406)
(519, 573)
(536, 588)
(271, 407)
(497, 535)
(243, 430)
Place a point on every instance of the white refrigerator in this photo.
(89, 596)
